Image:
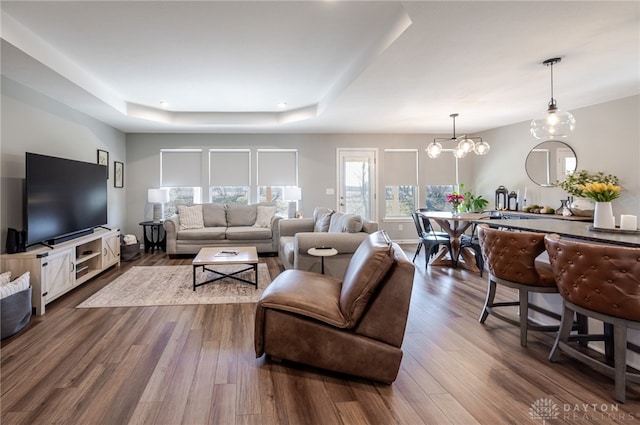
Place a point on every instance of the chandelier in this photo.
(554, 123)
(464, 144)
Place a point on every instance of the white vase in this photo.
(603, 216)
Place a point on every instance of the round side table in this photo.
(322, 252)
(154, 236)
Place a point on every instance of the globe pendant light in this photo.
(464, 146)
(434, 149)
(555, 123)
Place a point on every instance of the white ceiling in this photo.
(341, 66)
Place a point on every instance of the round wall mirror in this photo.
(549, 162)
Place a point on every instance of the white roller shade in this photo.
(180, 168)
(229, 167)
(277, 168)
(400, 167)
(439, 171)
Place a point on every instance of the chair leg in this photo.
(523, 296)
(566, 323)
(417, 251)
(620, 360)
(480, 262)
(491, 294)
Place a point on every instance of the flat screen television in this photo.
(64, 198)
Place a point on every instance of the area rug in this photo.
(173, 285)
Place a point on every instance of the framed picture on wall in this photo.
(103, 159)
(118, 174)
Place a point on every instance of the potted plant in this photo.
(574, 185)
(473, 203)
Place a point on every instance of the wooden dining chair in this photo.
(603, 282)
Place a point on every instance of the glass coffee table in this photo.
(210, 257)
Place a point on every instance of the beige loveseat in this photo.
(199, 225)
(344, 232)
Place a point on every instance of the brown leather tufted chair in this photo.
(603, 282)
(355, 325)
(511, 260)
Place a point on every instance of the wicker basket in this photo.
(129, 252)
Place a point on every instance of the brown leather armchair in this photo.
(355, 325)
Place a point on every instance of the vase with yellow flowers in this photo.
(574, 184)
(603, 194)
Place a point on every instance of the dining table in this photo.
(454, 225)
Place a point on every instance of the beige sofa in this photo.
(344, 232)
(222, 225)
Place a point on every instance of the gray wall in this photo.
(316, 166)
(35, 123)
(606, 138)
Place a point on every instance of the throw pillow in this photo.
(20, 284)
(345, 223)
(322, 221)
(5, 278)
(190, 217)
(264, 216)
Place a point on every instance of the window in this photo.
(277, 168)
(229, 175)
(181, 173)
(436, 197)
(401, 182)
(442, 178)
(181, 196)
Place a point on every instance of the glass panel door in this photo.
(357, 182)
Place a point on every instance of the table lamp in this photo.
(158, 197)
(292, 194)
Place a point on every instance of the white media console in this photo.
(57, 270)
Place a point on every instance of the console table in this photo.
(521, 214)
(58, 269)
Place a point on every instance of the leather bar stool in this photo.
(511, 260)
(602, 282)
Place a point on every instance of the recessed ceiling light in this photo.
(282, 104)
(164, 104)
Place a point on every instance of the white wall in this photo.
(607, 139)
(35, 123)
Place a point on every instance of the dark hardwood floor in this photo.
(196, 365)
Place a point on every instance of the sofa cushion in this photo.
(321, 219)
(368, 266)
(345, 223)
(264, 215)
(190, 217)
(241, 215)
(204, 234)
(214, 215)
(248, 233)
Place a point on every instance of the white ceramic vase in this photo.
(603, 216)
